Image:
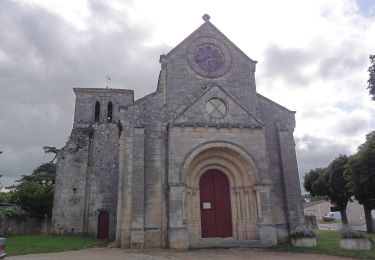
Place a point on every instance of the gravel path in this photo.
(158, 254)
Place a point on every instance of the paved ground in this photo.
(158, 254)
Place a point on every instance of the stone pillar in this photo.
(178, 233)
(290, 176)
(267, 231)
(125, 199)
(121, 171)
(138, 184)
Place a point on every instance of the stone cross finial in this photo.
(206, 17)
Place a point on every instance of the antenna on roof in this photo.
(108, 78)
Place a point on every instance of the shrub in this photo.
(14, 212)
(305, 233)
(347, 233)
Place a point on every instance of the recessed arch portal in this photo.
(241, 173)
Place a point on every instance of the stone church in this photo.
(203, 161)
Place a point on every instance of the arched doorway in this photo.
(103, 224)
(216, 220)
(240, 173)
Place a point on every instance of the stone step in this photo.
(227, 243)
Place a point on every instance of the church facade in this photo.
(203, 161)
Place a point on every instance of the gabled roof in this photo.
(276, 104)
(257, 122)
(209, 24)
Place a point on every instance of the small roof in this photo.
(313, 203)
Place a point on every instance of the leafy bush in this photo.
(305, 233)
(347, 233)
(14, 212)
(33, 197)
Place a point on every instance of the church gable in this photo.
(207, 29)
(216, 107)
(208, 56)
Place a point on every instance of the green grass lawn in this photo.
(328, 243)
(31, 244)
(330, 222)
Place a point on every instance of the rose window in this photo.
(209, 57)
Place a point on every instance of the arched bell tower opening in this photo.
(209, 171)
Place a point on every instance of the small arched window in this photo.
(97, 111)
(109, 111)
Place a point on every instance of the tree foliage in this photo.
(330, 183)
(44, 174)
(339, 194)
(360, 174)
(33, 197)
(34, 192)
(312, 183)
(371, 80)
(4, 197)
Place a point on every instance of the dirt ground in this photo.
(158, 254)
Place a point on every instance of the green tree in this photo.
(338, 194)
(4, 197)
(33, 197)
(331, 184)
(312, 183)
(360, 173)
(34, 192)
(371, 80)
(44, 174)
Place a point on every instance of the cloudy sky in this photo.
(312, 57)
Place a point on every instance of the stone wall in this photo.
(185, 84)
(87, 166)
(286, 200)
(27, 225)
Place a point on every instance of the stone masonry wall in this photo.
(275, 116)
(185, 85)
(87, 167)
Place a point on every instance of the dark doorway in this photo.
(216, 219)
(103, 224)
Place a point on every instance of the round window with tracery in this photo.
(209, 57)
(216, 108)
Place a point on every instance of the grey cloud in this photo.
(316, 152)
(43, 56)
(287, 64)
(333, 63)
(353, 125)
(340, 61)
(313, 152)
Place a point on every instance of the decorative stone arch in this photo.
(242, 174)
(241, 153)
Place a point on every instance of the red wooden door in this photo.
(103, 224)
(216, 217)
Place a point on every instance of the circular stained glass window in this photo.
(216, 108)
(209, 57)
